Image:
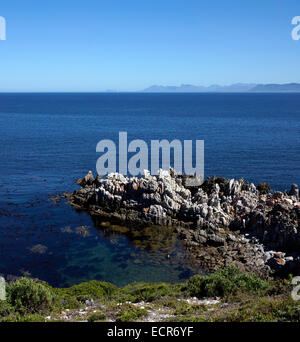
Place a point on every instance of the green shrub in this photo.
(137, 292)
(130, 313)
(279, 286)
(5, 308)
(98, 316)
(65, 300)
(87, 290)
(264, 309)
(225, 282)
(28, 296)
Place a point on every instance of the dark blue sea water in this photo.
(48, 141)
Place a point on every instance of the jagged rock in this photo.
(216, 240)
(294, 191)
(210, 214)
(88, 180)
(233, 187)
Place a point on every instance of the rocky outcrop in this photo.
(217, 214)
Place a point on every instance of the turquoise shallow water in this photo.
(48, 141)
(53, 242)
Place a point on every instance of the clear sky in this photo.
(94, 45)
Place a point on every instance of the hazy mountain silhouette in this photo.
(236, 88)
(289, 87)
(189, 88)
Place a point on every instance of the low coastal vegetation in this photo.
(227, 295)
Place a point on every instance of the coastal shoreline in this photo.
(222, 222)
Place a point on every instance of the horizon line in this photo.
(148, 92)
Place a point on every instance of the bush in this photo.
(28, 296)
(225, 282)
(87, 290)
(97, 317)
(264, 188)
(265, 309)
(5, 308)
(137, 292)
(131, 313)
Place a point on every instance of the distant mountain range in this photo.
(233, 88)
(289, 87)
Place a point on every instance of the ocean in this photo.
(48, 141)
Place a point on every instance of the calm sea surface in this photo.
(48, 141)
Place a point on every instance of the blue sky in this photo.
(94, 45)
